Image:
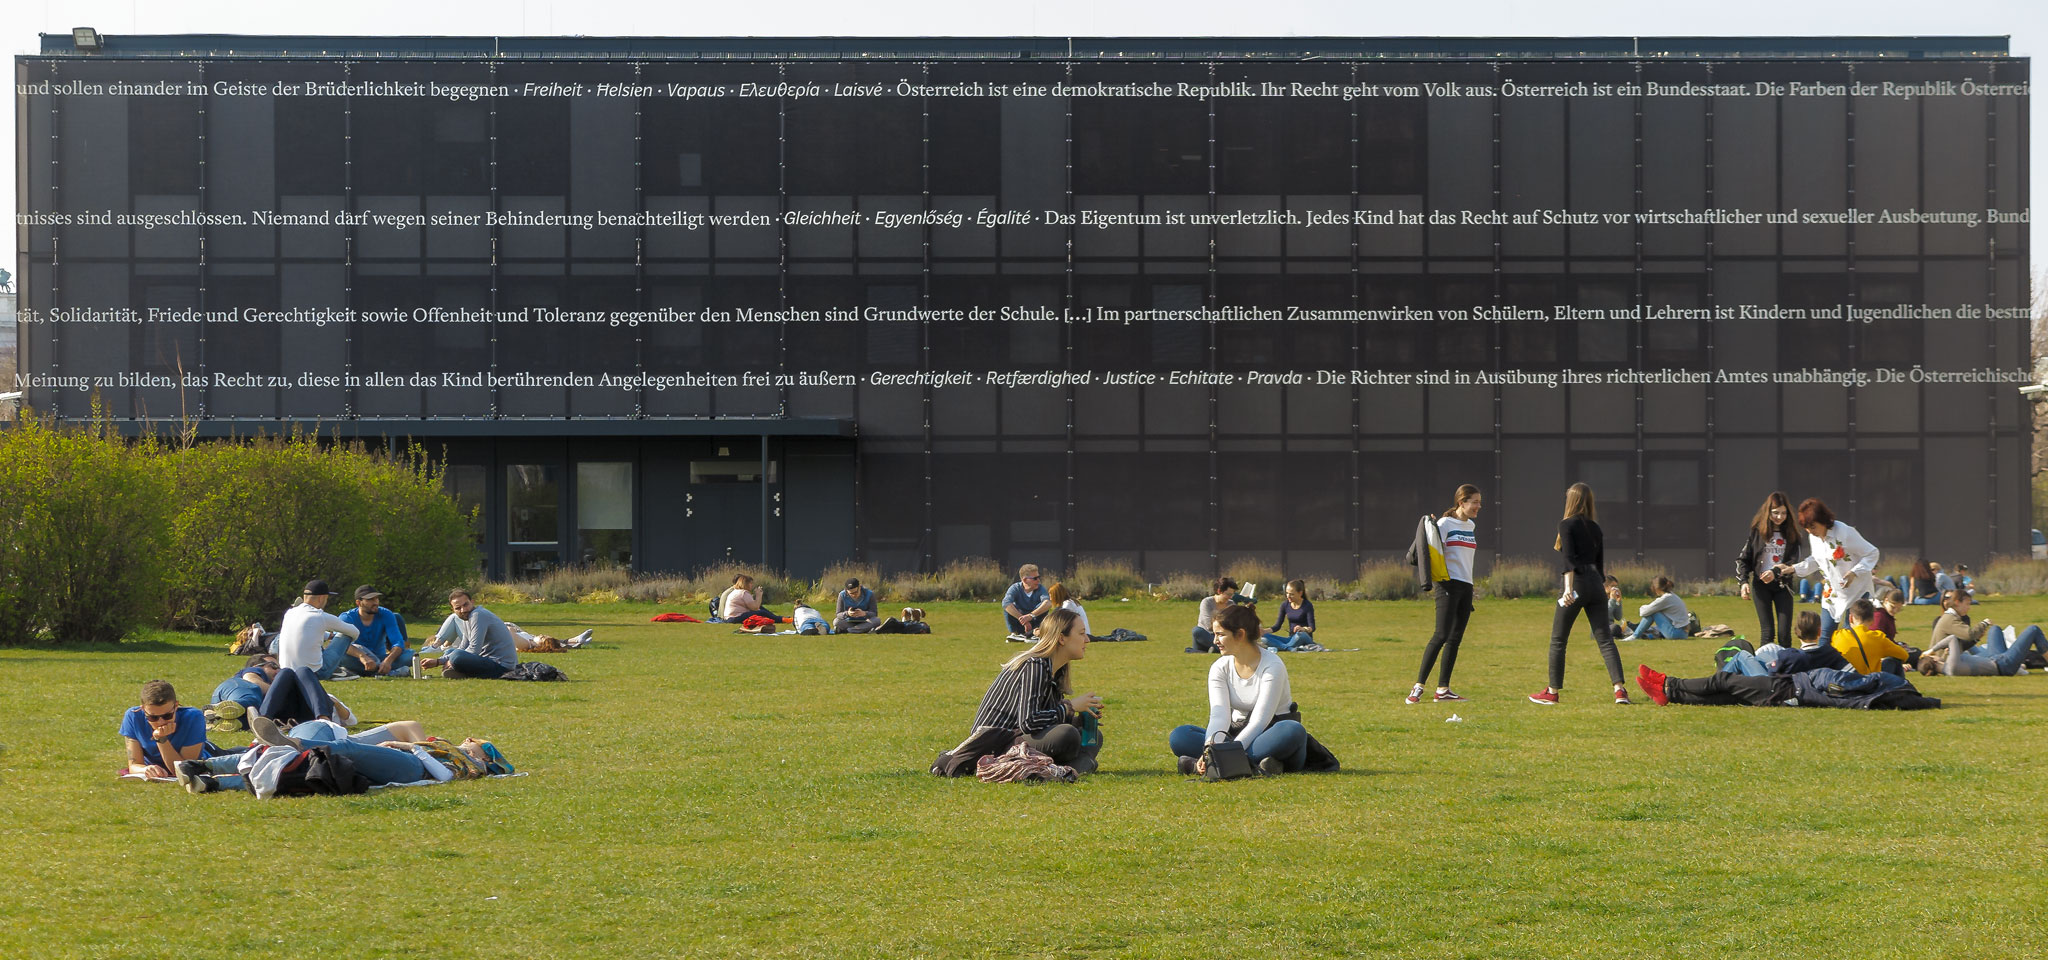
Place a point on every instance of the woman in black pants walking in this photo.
(1772, 540)
(1585, 570)
(1453, 595)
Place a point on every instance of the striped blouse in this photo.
(1025, 697)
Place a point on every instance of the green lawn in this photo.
(698, 793)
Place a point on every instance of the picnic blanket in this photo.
(674, 618)
(1020, 763)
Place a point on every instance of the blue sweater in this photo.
(1303, 616)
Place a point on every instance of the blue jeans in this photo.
(1289, 642)
(1809, 590)
(240, 691)
(332, 654)
(295, 695)
(469, 664)
(2009, 658)
(1746, 664)
(222, 769)
(1827, 626)
(1286, 739)
(1659, 626)
(378, 764)
(1205, 642)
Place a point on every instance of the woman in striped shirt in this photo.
(1034, 695)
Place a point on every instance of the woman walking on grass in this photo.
(1585, 562)
(1453, 595)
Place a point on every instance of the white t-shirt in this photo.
(1460, 543)
(1075, 606)
(1254, 699)
(298, 640)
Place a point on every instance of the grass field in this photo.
(698, 793)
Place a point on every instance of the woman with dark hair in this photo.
(1840, 555)
(1453, 594)
(1221, 594)
(1919, 584)
(1249, 702)
(1773, 540)
(1585, 562)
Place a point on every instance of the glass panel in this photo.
(532, 503)
(604, 513)
(466, 482)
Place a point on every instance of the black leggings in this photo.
(1595, 605)
(1774, 603)
(1453, 610)
(1730, 689)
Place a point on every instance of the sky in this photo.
(2025, 21)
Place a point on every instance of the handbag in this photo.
(1225, 760)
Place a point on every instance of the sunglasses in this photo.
(146, 715)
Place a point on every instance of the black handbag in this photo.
(1225, 760)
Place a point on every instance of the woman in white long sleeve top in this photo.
(1843, 558)
(1249, 701)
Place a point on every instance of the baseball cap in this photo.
(315, 588)
(366, 591)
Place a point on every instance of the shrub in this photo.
(825, 594)
(492, 594)
(257, 519)
(1386, 580)
(570, 584)
(1523, 578)
(1325, 588)
(661, 588)
(1893, 566)
(1634, 577)
(2014, 575)
(1729, 587)
(1104, 578)
(82, 538)
(1265, 573)
(917, 588)
(1182, 585)
(976, 578)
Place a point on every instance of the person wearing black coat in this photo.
(1585, 573)
(1772, 540)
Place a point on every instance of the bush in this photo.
(976, 578)
(1729, 587)
(255, 520)
(825, 593)
(82, 538)
(2014, 575)
(1634, 577)
(917, 588)
(1272, 583)
(493, 594)
(1386, 580)
(1891, 566)
(1325, 588)
(660, 588)
(1093, 580)
(572, 583)
(1523, 578)
(1182, 585)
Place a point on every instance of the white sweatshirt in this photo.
(298, 640)
(1253, 699)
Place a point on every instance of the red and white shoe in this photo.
(1547, 698)
(1446, 696)
(1415, 694)
(1621, 697)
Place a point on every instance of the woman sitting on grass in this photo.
(1954, 651)
(1034, 695)
(1665, 616)
(1249, 702)
(1062, 600)
(1919, 583)
(1294, 627)
(740, 601)
(1221, 595)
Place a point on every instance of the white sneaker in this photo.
(1017, 638)
(581, 638)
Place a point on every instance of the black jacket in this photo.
(1585, 553)
(1753, 547)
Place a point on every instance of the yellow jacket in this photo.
(1865, 647)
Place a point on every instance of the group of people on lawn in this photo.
(277, 692)
(1845, 656)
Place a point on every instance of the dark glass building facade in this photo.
(1176, 302)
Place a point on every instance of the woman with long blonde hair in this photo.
(1034, 694)
(1585, 569)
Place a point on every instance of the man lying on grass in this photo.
(1821, 687)
(160, 732)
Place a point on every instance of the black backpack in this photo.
(316, 771)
